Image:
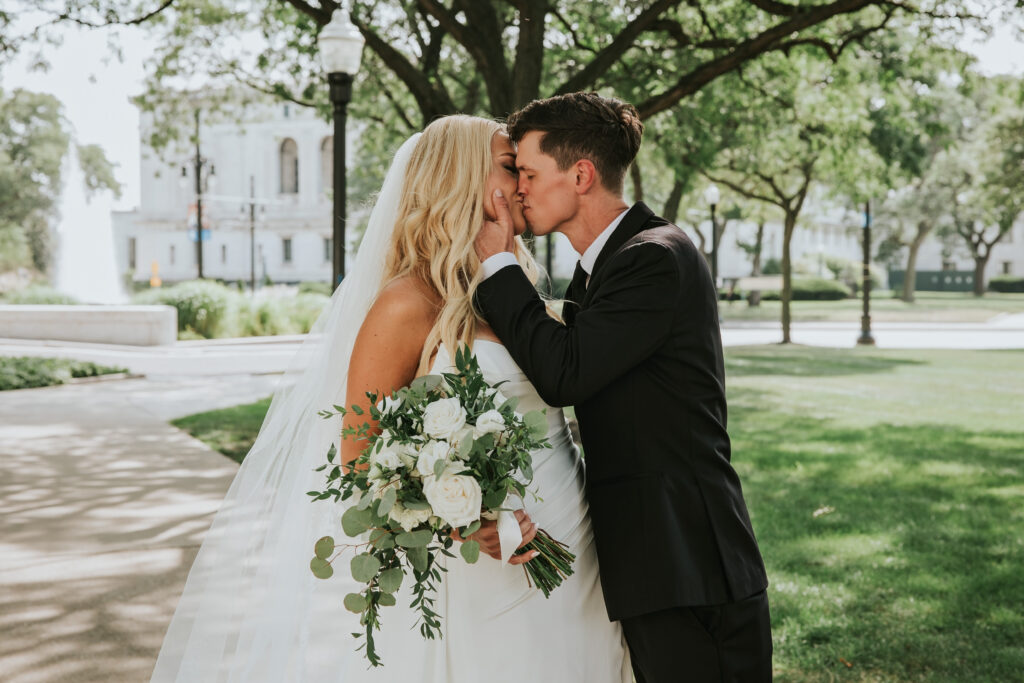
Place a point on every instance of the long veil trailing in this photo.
(251, 610)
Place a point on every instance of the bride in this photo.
(252, 611)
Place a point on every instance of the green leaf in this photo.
(414, 539)
(324, 547)
(418, 557)
(537, 423)
(356, 602)
(355, 521)
(426, 383)
(331, 452)
(470, 551)
(365, 501)
(471, 529)
(365, 567)
(321, 569)
(357, 410)
(391, 579)
(509, 405)
(387, 501)
(495, 497)
(416, 504)
(386, 600)
(439, 467)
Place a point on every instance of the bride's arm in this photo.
(387, 352)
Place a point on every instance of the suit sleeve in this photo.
(629, 318)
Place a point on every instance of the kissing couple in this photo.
(669, 584)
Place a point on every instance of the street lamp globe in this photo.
(340, 44)
(712, 195)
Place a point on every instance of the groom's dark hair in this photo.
(583, 125)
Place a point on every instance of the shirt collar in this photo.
(589, 258)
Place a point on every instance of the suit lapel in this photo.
(632, 223)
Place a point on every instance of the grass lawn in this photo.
(929, 307)
(231, 431)
(887, 493)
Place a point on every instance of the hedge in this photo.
(1006, 283)
(812, 289)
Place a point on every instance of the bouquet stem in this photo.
(552, 565)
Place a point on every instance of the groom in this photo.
(640, 356)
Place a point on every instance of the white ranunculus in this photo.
(409, 519)
(430, 454)
(443, 417)
(386, 459)
(491, 422)
(455, 498)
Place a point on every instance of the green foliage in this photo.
(230, 431)
(323, 288)
(202, 305)
(38, 294)
(813, 289)
(23, 372)
(1006, 283)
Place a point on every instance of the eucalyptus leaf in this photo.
(471, 529)
(324, 547)
(386, 600)
(355, 602)
(391, 579)
(426, 383)
(414, 539)
(470, 551)
(495, 497)
(321, 569)
(416, 504)
(365, 501)
(537, 423)
(387, 501)
(418, 557)
(364, 567)
(439, 467)
(355, 521)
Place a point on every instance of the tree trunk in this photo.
(980, 262)
(754, 298)
(787, 275)
(910, 275)
(671, 212)
(638, 182)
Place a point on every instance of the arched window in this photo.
(289, 167)
(327, 164)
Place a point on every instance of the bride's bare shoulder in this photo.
(407, 300)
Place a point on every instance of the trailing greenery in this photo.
(1006, 283)
(813, 289)
(25, 372)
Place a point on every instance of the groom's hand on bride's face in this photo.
(498, 235)
(487, 537)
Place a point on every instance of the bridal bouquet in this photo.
(451, 451)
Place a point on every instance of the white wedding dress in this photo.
(496, 627)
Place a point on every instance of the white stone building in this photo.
(280, 155)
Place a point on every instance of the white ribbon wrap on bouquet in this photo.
(509, 535)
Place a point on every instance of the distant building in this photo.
(281, 154)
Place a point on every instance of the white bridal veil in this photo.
(251, 610)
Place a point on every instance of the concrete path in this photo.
(104, 506)
(1004, 332)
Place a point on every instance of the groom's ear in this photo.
(586, 175)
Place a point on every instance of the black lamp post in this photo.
(202, 181)
(712, 197)
(341, 47)
(865, 338)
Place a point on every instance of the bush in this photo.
(202, 305)
(772, 267)
(26, 372)
(1006, 283)
(292, 315)
(315, 288)
(812, 289)
(39, 295)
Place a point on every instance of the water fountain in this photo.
(85, 266)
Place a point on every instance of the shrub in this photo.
(1006, 283)
(315, 288)
(202, 305)
(26, 372)
(39, 295)
(812, 289)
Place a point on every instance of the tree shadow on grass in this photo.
(804, 361)
(896, 550)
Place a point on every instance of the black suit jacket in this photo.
(641, 359)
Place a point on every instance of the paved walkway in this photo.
(104, 505)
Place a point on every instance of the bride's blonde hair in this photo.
(439, 215)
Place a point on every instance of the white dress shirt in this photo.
(505, 258)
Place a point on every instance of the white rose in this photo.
(466, 433)
(430, 454)
(409, 519)
(455, 498)
(491, 422)
(444, 417)
(386, 459)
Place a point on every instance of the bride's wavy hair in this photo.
(439, 215)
